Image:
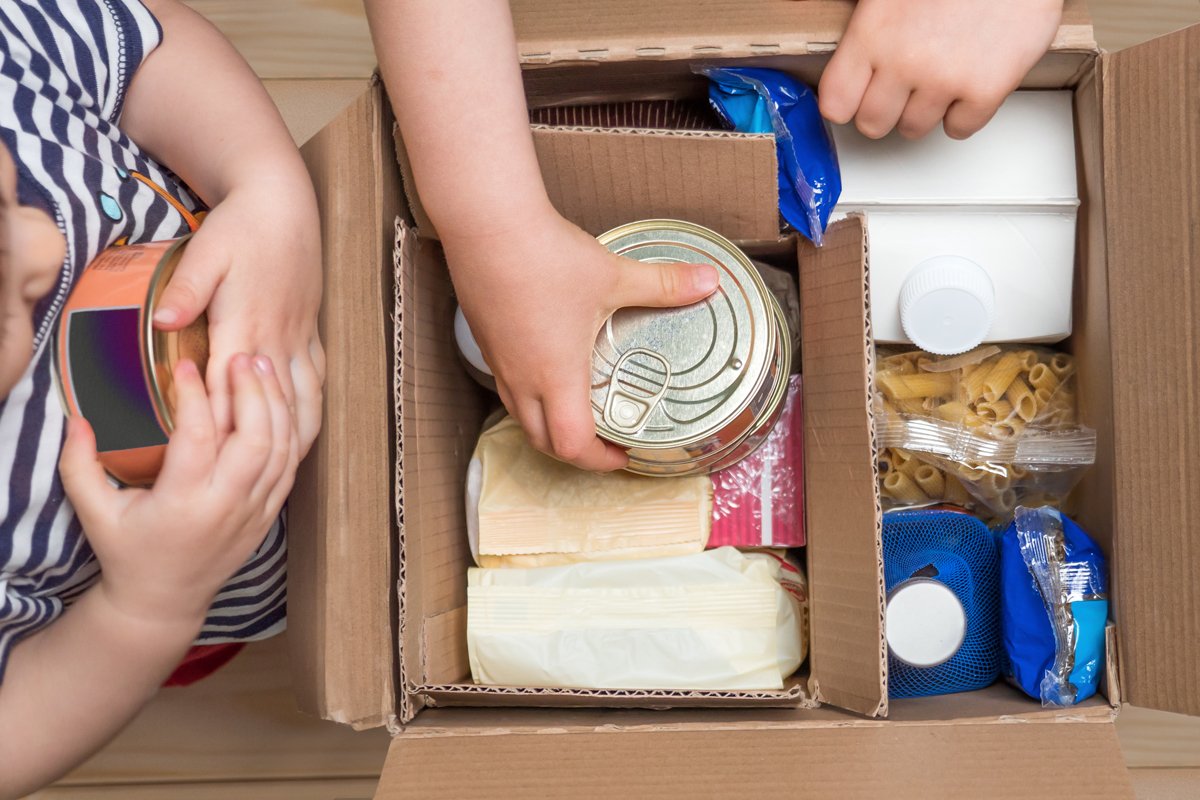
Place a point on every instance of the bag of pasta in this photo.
(986, 430)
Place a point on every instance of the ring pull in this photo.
(638, 384)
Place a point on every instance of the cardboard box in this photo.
(379, 551)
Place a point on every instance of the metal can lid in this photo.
(662, 378)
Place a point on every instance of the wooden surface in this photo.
(237, 735)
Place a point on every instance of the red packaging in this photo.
(759, 502)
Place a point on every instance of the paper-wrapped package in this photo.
(721, 619)
(525, 509)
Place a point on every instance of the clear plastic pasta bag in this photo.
(986, 430)
(720, 619)
(1054, 607)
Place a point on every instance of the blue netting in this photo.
(959, 551)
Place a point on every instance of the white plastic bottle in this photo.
(970, 241)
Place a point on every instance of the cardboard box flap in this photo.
(843, 518)
(340, 559)
(550, 31)
(1151, 113)
(870, 761)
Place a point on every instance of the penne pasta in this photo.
(954, 411)
(1042, 377)
(931, 481)
(913, 387)
(1062, 365)
(903, 489)
(1001, 376)
(1010, 428)
(997, 411)
(973, 382)
(955, 492)
(1028, 359)
(1023, 403)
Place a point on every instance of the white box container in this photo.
(971, 241)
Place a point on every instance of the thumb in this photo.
(191, 288)
(649, 285)
(83, 476)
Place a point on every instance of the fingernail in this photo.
(705, 278)
(263, 365)
(166, 316)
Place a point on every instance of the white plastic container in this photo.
(971, 241)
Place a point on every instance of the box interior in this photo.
(442, 408)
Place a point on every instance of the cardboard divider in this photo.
(342, 622)
(600, 179)
(1151, 137)
(843, 512)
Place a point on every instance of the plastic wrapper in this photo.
(1054, 610)
(720, 620)
(754, 100)
(986, 430)
(782, 284)
(525, 509)
(759, 502)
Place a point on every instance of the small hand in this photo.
(910, 64)
(255, 265)
(166, 551)
(536, 298)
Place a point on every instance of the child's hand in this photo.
(536, 298)
(255, 265)
(909, 64)
(166, 551)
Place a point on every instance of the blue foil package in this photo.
(753, 100)
(1054, 607)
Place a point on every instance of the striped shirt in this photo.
(65, 66)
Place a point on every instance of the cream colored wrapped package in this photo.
(525, 509)
(721, 619)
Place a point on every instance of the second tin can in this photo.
(693, 389)
(114, 368)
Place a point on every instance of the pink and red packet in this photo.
(759, 502)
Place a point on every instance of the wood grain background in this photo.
(238, 735)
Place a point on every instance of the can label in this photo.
(113, 368)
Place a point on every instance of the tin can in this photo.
(113, 368)
(694, 389)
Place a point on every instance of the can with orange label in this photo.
(113, 368)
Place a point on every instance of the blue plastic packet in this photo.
(1054, 607)
(753, 100)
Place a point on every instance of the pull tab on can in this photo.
(635, 389)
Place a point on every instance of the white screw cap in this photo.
(947, 305)
(467, 344)
(925, 623)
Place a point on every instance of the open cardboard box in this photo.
(378, 547)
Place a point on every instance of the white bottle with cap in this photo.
(970, 241)
(924, 623)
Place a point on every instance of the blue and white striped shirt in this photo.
(65, 66)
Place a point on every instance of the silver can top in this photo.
(663, 378)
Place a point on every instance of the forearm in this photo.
(197, 107)
(455, 83)
(71, 687)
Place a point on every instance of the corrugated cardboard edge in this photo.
(840, 438)
(405, 248)
(622, 698)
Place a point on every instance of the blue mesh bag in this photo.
(942, 575)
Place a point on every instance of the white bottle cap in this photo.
(925, 623)
(467, 344)
(947, 305)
